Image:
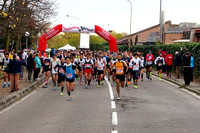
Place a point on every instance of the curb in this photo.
(183, 86)
(20, 94)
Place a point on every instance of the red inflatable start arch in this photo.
(75, 29)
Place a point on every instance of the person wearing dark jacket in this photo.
(30, 66)
(178, 63)
(186, 66)
(15, 70)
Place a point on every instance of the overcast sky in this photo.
(116, 13)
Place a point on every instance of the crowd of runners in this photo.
(66, 67)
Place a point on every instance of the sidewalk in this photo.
(194, 86)
(25, 87)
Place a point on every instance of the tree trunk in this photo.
(18, 43)
(7, 41)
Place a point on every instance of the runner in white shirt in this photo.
(160, 62)
(54, 62)
(101, 65)
(88, 70)
(136, 66)
(81, 62)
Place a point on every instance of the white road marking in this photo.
(114, 118)
(11, 106)
(114, 131)
(18, 102)
(113, 105)
(167, 82)
(193, 94)
(110, 89)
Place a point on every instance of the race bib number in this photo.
(149, 63)
(100, 67)
(87, 65)
(119, 70)
(69, 76)
(61, 70)
(159, 64)
(46, 63)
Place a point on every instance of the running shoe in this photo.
(101, 82)
(136, 87)
(160, 79)
(80, 83)
(69, 99)
(4, 85)
(55, 88)
(98, 86)
(129, 83)
(61, 94)
(86, 87)
(118, 98)
(8, 85)
(150, 78)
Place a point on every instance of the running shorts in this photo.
(120, 77)
(135, 74)
(88, 71)
(61, 78)
(70, 80)
(99, 72)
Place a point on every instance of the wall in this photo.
(170, 37)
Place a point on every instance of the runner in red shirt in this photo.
(149, 65)
(169, 62)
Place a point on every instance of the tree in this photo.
(19, 16)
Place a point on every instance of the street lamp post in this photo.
(161, 21)
(130, 43)
(27, 35)
(78, 25)
(74, 18)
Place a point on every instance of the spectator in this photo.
(38, 65)
(20, 54)
(178, 62)
(186, 66)
(15, 70)
(192, 67)
(30, 66)
(169, 62)
(6, 72)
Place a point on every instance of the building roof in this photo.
(177, 29)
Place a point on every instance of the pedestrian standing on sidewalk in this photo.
(178, 62)
(169, 62)
(20, 54)
(6, 71)
(192, 67)
(30, 66)
(186, 66)
(15, 70)
(38, 65)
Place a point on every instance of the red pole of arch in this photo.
(108, 37)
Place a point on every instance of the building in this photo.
(172, 34)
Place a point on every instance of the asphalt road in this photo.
(155, 107)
